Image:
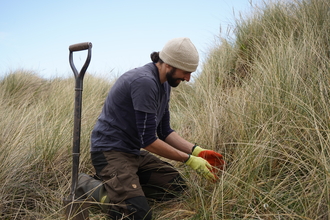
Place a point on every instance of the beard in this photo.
(172, 81)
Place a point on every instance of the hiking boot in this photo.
(91, 189)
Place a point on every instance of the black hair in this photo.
(155, 57)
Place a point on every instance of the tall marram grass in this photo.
(262, 100)
(36, 142)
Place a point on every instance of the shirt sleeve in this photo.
(146, 125)
(144, 95)
(164, 128)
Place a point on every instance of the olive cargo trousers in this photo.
(130, 179)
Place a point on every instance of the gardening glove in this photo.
(214, 158)
(201, 166)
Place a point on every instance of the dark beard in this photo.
(173, 82)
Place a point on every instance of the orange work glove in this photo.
(215, 159)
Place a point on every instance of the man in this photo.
(135, 110)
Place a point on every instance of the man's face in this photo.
(175, 76)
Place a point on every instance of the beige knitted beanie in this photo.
(181, 54)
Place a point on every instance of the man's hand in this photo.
(201, 166)
(215, 159)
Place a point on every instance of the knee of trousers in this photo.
(133, 208)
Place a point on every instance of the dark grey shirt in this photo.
(136, 90)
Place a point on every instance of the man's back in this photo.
(136, 90)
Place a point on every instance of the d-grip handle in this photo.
(80, 46)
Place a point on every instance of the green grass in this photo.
(261, 99)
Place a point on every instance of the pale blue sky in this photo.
(35, 34)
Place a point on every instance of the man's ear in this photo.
(168, 67)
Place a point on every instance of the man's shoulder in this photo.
(149, 69)
(146, 73)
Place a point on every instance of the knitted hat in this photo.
(181, 54)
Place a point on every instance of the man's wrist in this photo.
(196, 150)
(187, 158)
(193, 148)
